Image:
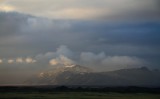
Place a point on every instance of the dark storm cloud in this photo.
(33, 35)
(8, 27)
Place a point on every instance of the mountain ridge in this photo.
(80, 75)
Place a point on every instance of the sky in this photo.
(106, 35)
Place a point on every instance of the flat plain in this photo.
(77, 95)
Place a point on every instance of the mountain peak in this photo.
(75, 68)
(70, 66)
(144, 68)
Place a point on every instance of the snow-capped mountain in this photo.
(77, 69)
(79, 75)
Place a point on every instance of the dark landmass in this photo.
(51, 88)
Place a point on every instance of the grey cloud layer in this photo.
(66, 57)
(27, 35)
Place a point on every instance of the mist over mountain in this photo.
(79, 75)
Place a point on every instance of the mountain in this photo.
(79, 75)
(66, 75)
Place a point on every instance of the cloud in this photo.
(101, 61)
(29, 35)
(1, 61)
(19, 60)
(119, 62)
(54, 62)
(60, 51)
(10, 61)
(61, 60)
(89, 56)
(77, 13)
(82, 9)
(30, 60)
(5, 7)
(48, 55)
(64, 50)
(27, 60)
(61, 56)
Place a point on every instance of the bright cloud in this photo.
(19, 60)
(10, 61)
(82, 9)
(1, 61)
(30, 60)
(61, 60)
(54, 62)
(77, 13)
(6, 8)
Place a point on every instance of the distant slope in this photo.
(79, 75)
